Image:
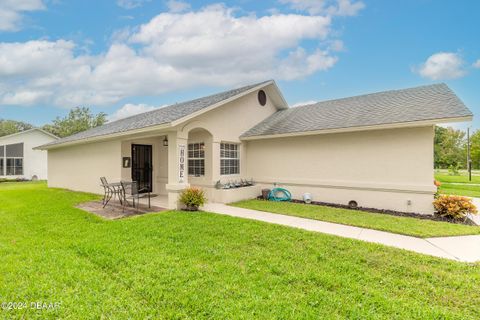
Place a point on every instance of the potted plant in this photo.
(192, 198)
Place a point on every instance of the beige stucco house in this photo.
(375, 149)
(18, 157)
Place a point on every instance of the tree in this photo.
(475, 149)
(11, 126)
(79, 119)
(449, 148)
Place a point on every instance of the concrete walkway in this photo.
(463, 248)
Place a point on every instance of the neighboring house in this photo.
(18, 159)
(375, 149)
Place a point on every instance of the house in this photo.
(374, 149)
(19, 159)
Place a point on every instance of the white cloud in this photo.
(214, 46)
(303, 103)
(177, 6)
(443, 65)
(130, 4)
(349, 8)
(11, 12)
(129, 110)
(327, 7)
(477, 64)
(337, 45)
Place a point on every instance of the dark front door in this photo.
(142, 166)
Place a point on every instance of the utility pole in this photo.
(469, 160)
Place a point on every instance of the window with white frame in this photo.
(229, 158)
(14, 166)
(196, 159)
(14, 159)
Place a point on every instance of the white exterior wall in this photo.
(80, 167)
(385, 169)
(34, 161)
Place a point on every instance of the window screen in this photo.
(14, 150)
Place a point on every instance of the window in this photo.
(14, 159)
(229, 159)
(196, 159)
(14, 166)
(2, 164)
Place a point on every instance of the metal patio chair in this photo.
(107, 191)
(131, 191)
(111, 190)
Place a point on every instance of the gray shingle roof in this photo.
(432, 102)
(156, 117)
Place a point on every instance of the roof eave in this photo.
(410, 124)
(103, 137)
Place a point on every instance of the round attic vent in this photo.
(262, 97)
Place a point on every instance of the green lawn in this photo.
(460, 189)
(402, 225)
(460, 178)
(202, 265)
(459, 184)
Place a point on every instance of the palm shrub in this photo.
(193, 198)
(454, 207)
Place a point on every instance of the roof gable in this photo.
(432, 102)
(28, 131)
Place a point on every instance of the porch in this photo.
(171, 161)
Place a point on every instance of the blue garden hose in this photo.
(276, 195)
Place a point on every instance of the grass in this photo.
(459, 184)
(402, 225)
(461, 190)
(200, 265)
(460, 178)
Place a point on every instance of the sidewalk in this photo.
(462, 248)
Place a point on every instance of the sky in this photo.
(123, 57)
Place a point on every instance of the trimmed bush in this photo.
(454, 207)
(192, 198)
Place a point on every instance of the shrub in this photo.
(192, 198)
(453, 169)
(454, 207)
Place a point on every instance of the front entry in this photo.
(142, 166)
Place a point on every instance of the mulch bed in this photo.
(114, 210)
(434, 217)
